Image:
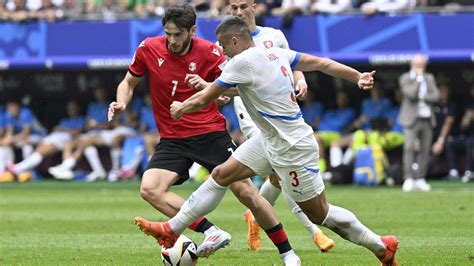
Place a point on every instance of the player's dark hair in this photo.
(183, 16)
(234, 26)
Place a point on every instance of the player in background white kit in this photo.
(270, 190)
(285, 145)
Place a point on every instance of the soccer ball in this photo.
(183, 253)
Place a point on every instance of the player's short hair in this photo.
(183, 16)
(234, 26)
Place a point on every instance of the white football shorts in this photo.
(58, 139)
(298, 168)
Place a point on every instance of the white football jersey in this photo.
(266, 37)
(265, 81)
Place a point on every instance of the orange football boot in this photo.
(323, 242)
(253, 235)
(161, 231)
(391, 246)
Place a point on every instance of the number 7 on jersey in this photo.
(175, 85)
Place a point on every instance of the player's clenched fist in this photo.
(366, 80)
(195, 81)
(175, 110)
(114, 109)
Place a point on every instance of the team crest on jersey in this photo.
(192, 66)
(268, 44)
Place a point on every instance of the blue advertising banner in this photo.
(348, 38)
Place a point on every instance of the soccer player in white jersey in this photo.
(270, 190)
(285, 143)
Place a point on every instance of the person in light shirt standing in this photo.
(419, 93)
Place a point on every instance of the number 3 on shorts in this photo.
(294, 177)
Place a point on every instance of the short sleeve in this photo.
(138, 67)
(293, 57)
(282, 39)
(236, 71)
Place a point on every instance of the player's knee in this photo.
(150, 193)
(217, 175)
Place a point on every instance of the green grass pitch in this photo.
(61, 223)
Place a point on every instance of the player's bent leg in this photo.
(155, 187)
(345, 223)
(323, 242)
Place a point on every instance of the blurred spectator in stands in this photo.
(263, 8)
(6, 151)
(334, 123)
(467, 128)
(140, 8)
(217, 8)
(72, 9)
(454, 134)
(48, 12)
(3, 13)
(372, 108)
(312, 110)
(419, 94)
(148, 127)
(22, 128)
(330, 6)
(386, 6)
(394, 137)
(289, 9)
(17, 11)
(201, 6)
(113, 138)
(109, 11)
(67, 129)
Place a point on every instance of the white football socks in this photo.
(115, 154)
(28, 163)
(345, 223)
(69, 163)
(204, 200)
(92, 156)
(6, 157)
(270, 192)
(335, 156)
(26, 150)
(311, 227)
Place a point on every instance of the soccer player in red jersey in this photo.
(170, 62)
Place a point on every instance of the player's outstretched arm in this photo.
(196, 102)
(124, 95)
(330, 67)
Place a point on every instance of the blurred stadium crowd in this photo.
(113, 10)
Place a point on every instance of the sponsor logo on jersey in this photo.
(192, 66)
(160, 61)
(268, 44)
(216, 52)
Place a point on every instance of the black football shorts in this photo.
(177, 155)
